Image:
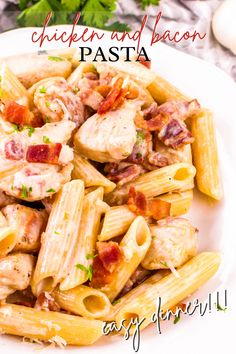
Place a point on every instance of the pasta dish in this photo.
(97, 169)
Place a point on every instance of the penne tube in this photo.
(205, 155)
(171, 289)
(133, 293)
(93, 207)
(134, 246)
(84, 301)
(60, 238)
(118, 218)
(84, 170)
(116, 222)
(49, 326)
(66, 53)
(9, 168)
(180, 201)
(172, 178)
(8, 239)
(162, 91)
(11, 89)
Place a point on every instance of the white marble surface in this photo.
(177, 15)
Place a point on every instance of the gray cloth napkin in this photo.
(177, 14)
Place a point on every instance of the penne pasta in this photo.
(8, 169)
(49, 326)
(205, 155)
(77, 74)
(118, 218)
(84, 301)
(11, 89)
(60, 238)
(89, 174)
(171, 289)
(162, 91)
(93, 207)
(8, 239)
(134, 246)
(176, 177)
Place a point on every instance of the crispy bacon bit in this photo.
(142, 60)
(20, 115)
(101, 276)
(110, 255)
(14, 150)
(125, 175)
(175, 134)
(151, 111)
(156, 208)
(169, 122)
(181, 306)
(44, 153)
(45, 302)
(109, 101)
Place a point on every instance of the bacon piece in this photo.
(45, 302)
(142, 60)
(125, 175)
(44, 153)
(109, 101)
(110, 255)
(151, 111)
(175, 134)
(101, 276)
(14, 150)
(156, 208)
(169, 122)
(20, 115)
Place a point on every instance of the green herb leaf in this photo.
(81, 267)
(54, 58)
(57, 232)
(30, 131)
(42, 89)
(15, 127)
(46, 139)
(91, 256)
(177, 319)
(118, 26)
(51, 190)
(34, 15)
(164, 264)
(116, 302)
(98, 12)
(25, 191)
(145, 3)
(47, 120)
(88, 271)
(220, 308)
(47, 104)
(139, 137)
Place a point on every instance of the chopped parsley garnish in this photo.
(88, 271)
(220, 308)
(57, 232)
(51, 190)
(138, 155)
(164, 264)
(54, 58)
(15, 127)
(25, 192)
(47, 120)
(46, 139)
(91, 256)
(30, 131)
(42, 89)
(116, 302)
(47, 103)
(177, 319)
(12, 187)
(139, 137)
(75, 90)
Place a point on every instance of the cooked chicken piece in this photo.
(31, 68)
(29, 223)
(109, 137)
(15, 273)
(172, 156)
(90, 98)
(6, 199)
(55, 100)
(36, 181)
(174, 242)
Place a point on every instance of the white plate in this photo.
(217, 91)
